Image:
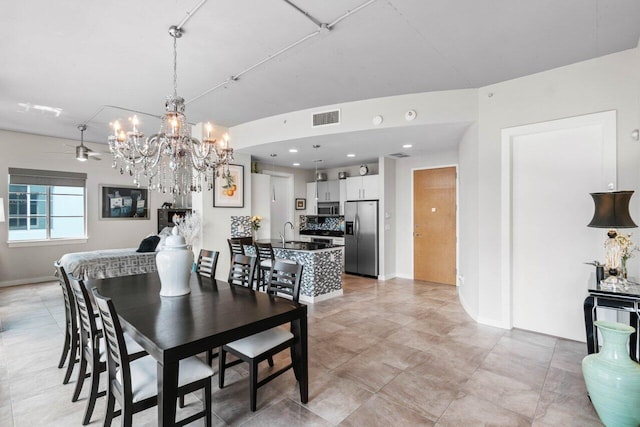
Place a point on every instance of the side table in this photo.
(621, 298)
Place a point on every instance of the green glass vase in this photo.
(612, 378)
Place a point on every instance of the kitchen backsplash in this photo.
(332, 223)
(240, 226)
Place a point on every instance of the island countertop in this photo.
(322, 272)
(300, 246)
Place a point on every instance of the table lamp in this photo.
(612, 212)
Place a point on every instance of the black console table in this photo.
(619, 298)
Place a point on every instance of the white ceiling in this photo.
(82, 56)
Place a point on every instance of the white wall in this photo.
(387, 218)
(468, 216)
(216, 222)
(261, 202)
(32, 263)
(608, 83)
(453, 106)
(300, 179)
(351, 170)
(404, 204)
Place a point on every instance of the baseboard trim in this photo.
(19, 282)
(312, 300)
(387, 276)
(404, 276)
(492, 322)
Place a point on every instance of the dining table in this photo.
(212, 314)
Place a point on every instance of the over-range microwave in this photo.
(332, 208)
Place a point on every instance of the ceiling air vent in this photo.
(398, 155)
(326, 118)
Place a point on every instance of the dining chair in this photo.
(264, 253)
(71, 335)
(207, 263)
(242, 270)
(236, 247)
(134, 384)
(284, 281)
(92, 350)
(266, 258)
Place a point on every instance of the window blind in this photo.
(42, 177)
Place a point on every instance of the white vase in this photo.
(174, 263)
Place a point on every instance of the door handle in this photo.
(417, 234)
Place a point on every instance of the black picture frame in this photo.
(123, 202)
(228, 192)
(301, 204)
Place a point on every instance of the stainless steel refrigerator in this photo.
(361, 237)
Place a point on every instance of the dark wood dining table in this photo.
(213, 314)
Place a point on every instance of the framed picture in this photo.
(123, 202)
(301, 204)
(228, 192)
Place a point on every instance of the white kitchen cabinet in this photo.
(328, 191)
(312, 203)
(362, 187)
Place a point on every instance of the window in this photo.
(46, 205)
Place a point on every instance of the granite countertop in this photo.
(300, 246)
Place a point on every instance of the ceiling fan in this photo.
(83, 153)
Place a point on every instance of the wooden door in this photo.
(434, 222)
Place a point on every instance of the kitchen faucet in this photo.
(284, 231)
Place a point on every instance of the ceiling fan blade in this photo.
(94, 153)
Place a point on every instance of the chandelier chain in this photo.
(175, 66)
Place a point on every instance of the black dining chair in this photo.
(92, 349)
(207, 263)
(71, 335)
(284, 281)
(236, 247)
(242, 270)
(134, 384)
(264, 253)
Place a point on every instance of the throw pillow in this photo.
(149, 244)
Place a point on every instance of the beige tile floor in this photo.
(386, 353)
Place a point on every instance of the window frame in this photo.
(48, 179)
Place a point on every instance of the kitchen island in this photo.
(322, 272)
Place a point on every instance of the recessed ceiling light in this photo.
(293, 150)
(407, 146)
(296, 164)
(273, 155)
(351, 155)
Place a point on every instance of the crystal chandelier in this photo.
(171, 161)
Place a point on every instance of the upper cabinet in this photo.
(362, 187)
(328, 191)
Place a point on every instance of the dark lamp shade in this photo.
(612, 210)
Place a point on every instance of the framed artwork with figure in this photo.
(123, 202)
(228, 192)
